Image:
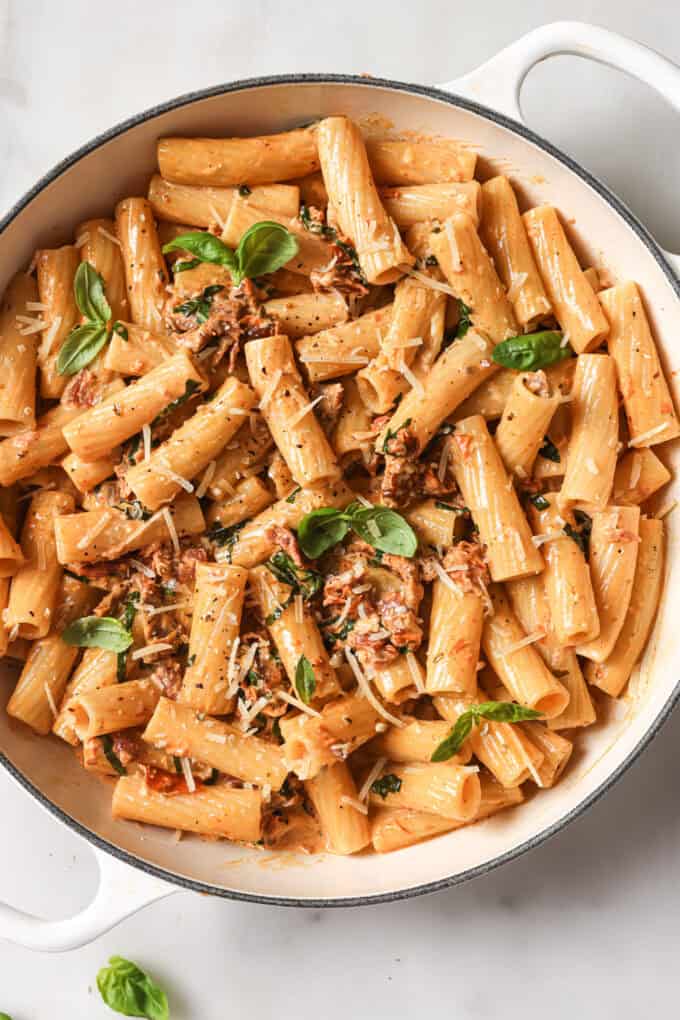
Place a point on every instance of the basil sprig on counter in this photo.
(264, 248)
(98, 632)
(126, 989)
(531, 351)
(381, 527)
(84, 343)
(496, 711)
(305, 681)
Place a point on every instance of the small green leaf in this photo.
(5, 1016)
(190, 387)
(183, 264)
(291, 498)
(81, 347)
(201, 305)
(320, 530)
(128, 990)
(386, 784)
(305, 681)
(88, 290)
(264, 248)
(98, 632)
(315, 226)
(531, 351)
(549, 450)
(244, 190)
(384, 529)
(302, 580)
(539, 501)
(580, 535)
(120, 329)
(496, 711)
(205, 247)
(464, 320)
(111, 756)
(392, 434)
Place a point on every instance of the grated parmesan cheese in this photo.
(90, 535)
(299, 610)
(444, 577)
(416, 672)
(378, 766)
(353, 803)
(142, 567)
(516, 285)
(365, 688)
(159, 646)
(429, 281)
(550, 536)
(411, 378)
(270, 389)
(456, 261)
(188, 775)
(146, 437)
(644, 436)
(50, 699)
(49, 337)
(530, 639)
(167, 472)
(206, 479)
(290, 699)
(172, 530)
(109, 237)
(303, 412)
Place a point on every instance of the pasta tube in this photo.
(343, 349)
(311, 742)
(613, 553)
(139, 352)
(146, 275)
(456, 621)
(98, 668)
(356, 205)
(504, 236)
(416, 741)
(225, 162)
(612, 675)
(452, 791)
(220, 810)
(639, 474)
(11, 556)
(56, 269)
(250, 497)
(591, 457)
(493, 502)
(409, 205)
(99, 246)
(18, 355)
(490, 398)
(573, 300)
(289, 412)
(314, 253)
(646, 398)
(334, 796)
(112, 708)
(87, 474)
(205, 206)
(420, 161)
(520, 434)
(301, 315)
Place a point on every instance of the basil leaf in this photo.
(549, 450)
(183, 264)
(305, 681)
(264, 248)
(98, 632)
(321, 529)
(464, 320)
(581, 535)
(82, 345)
(291, 498)
(88, 290)
(190, 387)
(532, 351)
(128, 990)
(386, 784)
(314, 226)
(5, 1016)
(303, 581)
(496, 711)
(539, 501)
(390, 435)
(200, 306)
(120, 329)
(384, 529)
(111, 756)
(205, 247)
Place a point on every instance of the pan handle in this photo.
(122, 891)
(498, 82)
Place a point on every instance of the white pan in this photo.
(139, 864)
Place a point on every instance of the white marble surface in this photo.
(586, 924)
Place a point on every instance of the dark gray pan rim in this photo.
(645, 237)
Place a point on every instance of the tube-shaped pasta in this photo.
(646, 398)
(43, 679)
(526, 416)
(342, 725)
(613, 553)
(146, 274)
(11, 556)
(56, 269)
(180, 730)
(420, 161)
(386, 376)
(409, 205)
(219, 590)
(472, 276)
(98, 668)
(250, 497)
(397, 680)
(454, 375)
(288, 411)
(504, 236)
(334, 796)
(219, 810)
(139, 352)
(86, 474)
(343, 349)
(313, 251)
(591, 457)
(612, 675)
(580, 711)
(490, 398)
(452, 791)
(301, 315)
(416, 741)
(226, 162)
(396, 828)
(118, 417)
(456, 621)
(113, 708)
(433, 522)
(355, 202)
(106, 534)
(573, 300)
(202, 206)
(639, 474)
(519, 666)
(33, 592)
(352, 433)
(18, 355)
(493, 502)
(293, 630)
(556, 752)
(568, 584)
(25, 453)
(255, 542)
(312, 189)
(100, 247)
(191, 447)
